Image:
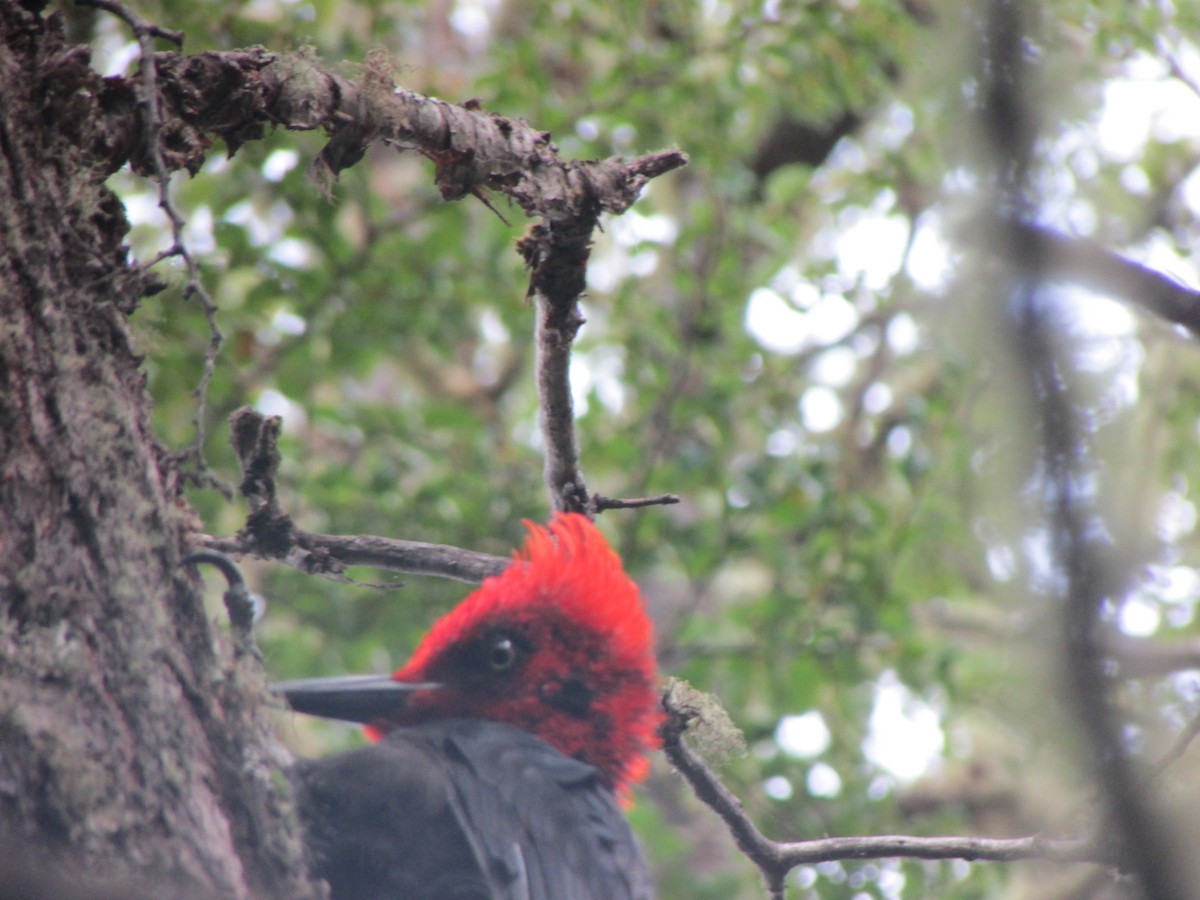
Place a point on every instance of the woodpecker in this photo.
(505, 746)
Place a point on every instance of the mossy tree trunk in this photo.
(132, 743)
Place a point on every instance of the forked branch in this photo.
(775, 859)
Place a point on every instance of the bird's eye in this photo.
(501, 654)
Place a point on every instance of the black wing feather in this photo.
(532, 812)
(467, 810)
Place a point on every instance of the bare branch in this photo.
(238, 602)
(270, 533)
(329, 554)
(600, 504)
(555, 332)
(775, 859)
(972, 849)
(556, 253)
(233, 94)
(761, 851)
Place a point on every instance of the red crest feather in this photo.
(567, 599)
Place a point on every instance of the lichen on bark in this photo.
(131, 745)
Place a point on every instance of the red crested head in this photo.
(557, 644)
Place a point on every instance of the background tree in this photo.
(900, 464)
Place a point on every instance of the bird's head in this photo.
(558, 644)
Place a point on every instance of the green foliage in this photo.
(804, 562)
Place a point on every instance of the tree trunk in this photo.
(132, 743)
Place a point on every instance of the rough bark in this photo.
(132, 742)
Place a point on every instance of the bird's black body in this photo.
(466, 809)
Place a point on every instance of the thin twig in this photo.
(231, 94)
(971, 849)
(556, 253)
(271, 533)
(138, 25)
(775, 859)
(152, 121)
(600, 504)
(761, 851)
(328, 554)
(239, 603)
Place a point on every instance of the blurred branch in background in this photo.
(1085, 575)
(1086, 263)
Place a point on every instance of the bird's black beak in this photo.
(350, 698)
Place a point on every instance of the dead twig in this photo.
(600, 504)
(270, 532)
(149, 103)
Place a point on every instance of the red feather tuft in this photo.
(580, 622)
